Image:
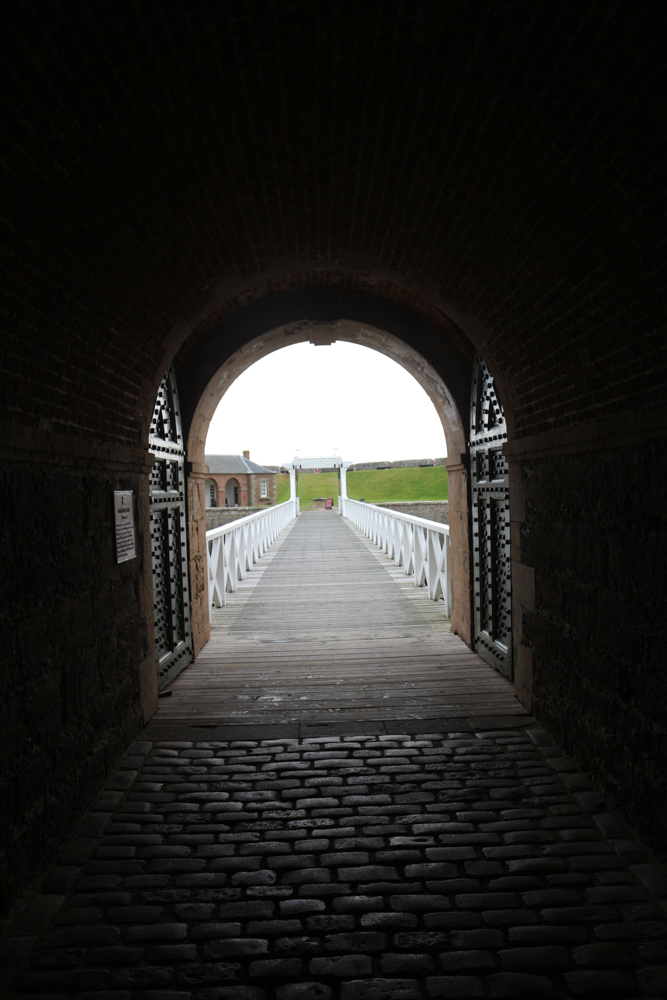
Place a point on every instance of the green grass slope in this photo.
(380, 485)
(311, 485)
(282, 488)
(317, 484)
(374, 485)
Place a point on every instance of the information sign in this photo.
(124, 517)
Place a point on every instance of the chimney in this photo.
(246, 454)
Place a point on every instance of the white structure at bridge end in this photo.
(317, 462)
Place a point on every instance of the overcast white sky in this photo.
(342, 399)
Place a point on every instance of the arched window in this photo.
(232, 493)
(211, 493)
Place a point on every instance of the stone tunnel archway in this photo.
(453, 423)
(435, 350)
(131, 218)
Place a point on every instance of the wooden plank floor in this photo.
(326, 628)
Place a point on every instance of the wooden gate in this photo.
(489, 479)
(173, 635)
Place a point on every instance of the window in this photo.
(263, 488)
(211, 498)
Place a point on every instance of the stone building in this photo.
(186, 193)
(236, 481)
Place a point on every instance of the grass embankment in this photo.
(311, 485)
(381, 485)
(282, 488)
(374, 485)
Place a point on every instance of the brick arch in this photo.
(388, 315)
(353, 286)
(454, 422)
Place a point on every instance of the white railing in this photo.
(233, 548)
(421, 547)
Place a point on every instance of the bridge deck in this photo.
(326, 628)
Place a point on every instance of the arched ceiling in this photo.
(501, 159)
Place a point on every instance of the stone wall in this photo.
(405, 463)
(76, 632)
(215, 516)
(595, 627)
(432, 510)
(359, 466)
(255, 490)
(316, 472)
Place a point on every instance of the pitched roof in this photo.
(225, 464)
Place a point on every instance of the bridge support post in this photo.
(343, 479)
(292, 482)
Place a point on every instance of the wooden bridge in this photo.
(325, 628)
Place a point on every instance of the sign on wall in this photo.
(124, 517)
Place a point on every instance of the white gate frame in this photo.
(233, 548)
(420, 546)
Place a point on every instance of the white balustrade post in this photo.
(420, 556)
(216, 572)
(241, 549)
(432, 564)
(232, 564)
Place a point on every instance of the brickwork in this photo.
(239, 479)
(249, 489)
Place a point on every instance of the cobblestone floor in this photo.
(467, 863)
